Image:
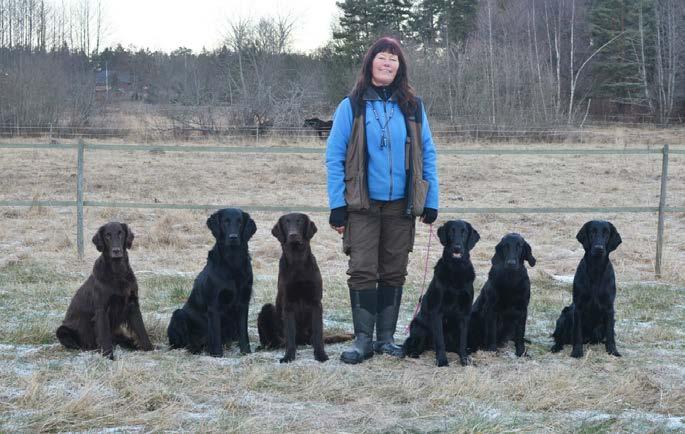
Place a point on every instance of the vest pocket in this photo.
(419, 197)
(353, 193)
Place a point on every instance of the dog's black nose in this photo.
(116, 251)
(511, 263)
(233, 237)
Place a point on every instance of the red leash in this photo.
(425, 273)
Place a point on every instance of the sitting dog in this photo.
(322, 127)
(442, 322)
(501, 309)
(297, 317)
(216, 311)
(107, 301)
(590, 318)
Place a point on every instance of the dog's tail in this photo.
(563, 330)
(178, 330)
(269, 327)
(337, 338)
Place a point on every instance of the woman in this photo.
(382, 174)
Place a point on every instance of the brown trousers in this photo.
(378, 242)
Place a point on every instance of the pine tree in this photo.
(438, 21)
(356, 27)
(616, 71)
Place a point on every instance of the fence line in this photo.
(473, 131)
(80, 202)
(650, 149)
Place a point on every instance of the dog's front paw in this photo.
(520, 351)
(216, 353)
(442, 361)
(556, 348)
(465, 360)
(614, 352)
(577, 352)
(287, 358)
(321, 357)
(245, 350)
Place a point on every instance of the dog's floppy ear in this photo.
(98, 239)
(129, 236)
(249, 227)
(474, 237)
(311, 229)
(498, 257)
(614, 239)
(528, 254)
(277, 232)
(214, 224)
(582, 236)
(442, 234)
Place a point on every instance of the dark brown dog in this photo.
(107, 300)
(297, 318)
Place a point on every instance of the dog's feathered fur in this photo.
(297, 317)
(501, 309)
(442, 322)
(107, 300)
(590, 318)
(217, 309)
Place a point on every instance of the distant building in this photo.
(116, 82)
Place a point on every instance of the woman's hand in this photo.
(338, 219)
(429, 215)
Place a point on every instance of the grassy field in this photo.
(46, 388)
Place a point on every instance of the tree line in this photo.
(499, 62)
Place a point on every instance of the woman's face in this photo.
(384, 68)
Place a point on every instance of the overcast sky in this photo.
(168, 24)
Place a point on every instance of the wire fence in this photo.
(80, 201)
(257, 133)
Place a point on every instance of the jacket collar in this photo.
(370, 94)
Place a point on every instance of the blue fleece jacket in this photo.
(386, 173)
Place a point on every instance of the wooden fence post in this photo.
(662, 206)
(79, 199)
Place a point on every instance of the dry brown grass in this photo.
(45, 388)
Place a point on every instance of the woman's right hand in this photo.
(338, 219)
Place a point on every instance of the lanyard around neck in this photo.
(385, 131)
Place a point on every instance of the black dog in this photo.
(590, 318)
(501, 309)
(216, 311)
(107, 300)
(442, 322)
(297, 318)
(319, 125)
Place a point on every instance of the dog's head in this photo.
(511, 251)
(599, 238)
(112, 239)
(458, 238)
(294, 231)
(231, 227)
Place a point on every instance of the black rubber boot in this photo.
(363, 317)
(389, 299)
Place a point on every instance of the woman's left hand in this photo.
(429, 215)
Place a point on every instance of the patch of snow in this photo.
(562, 279)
